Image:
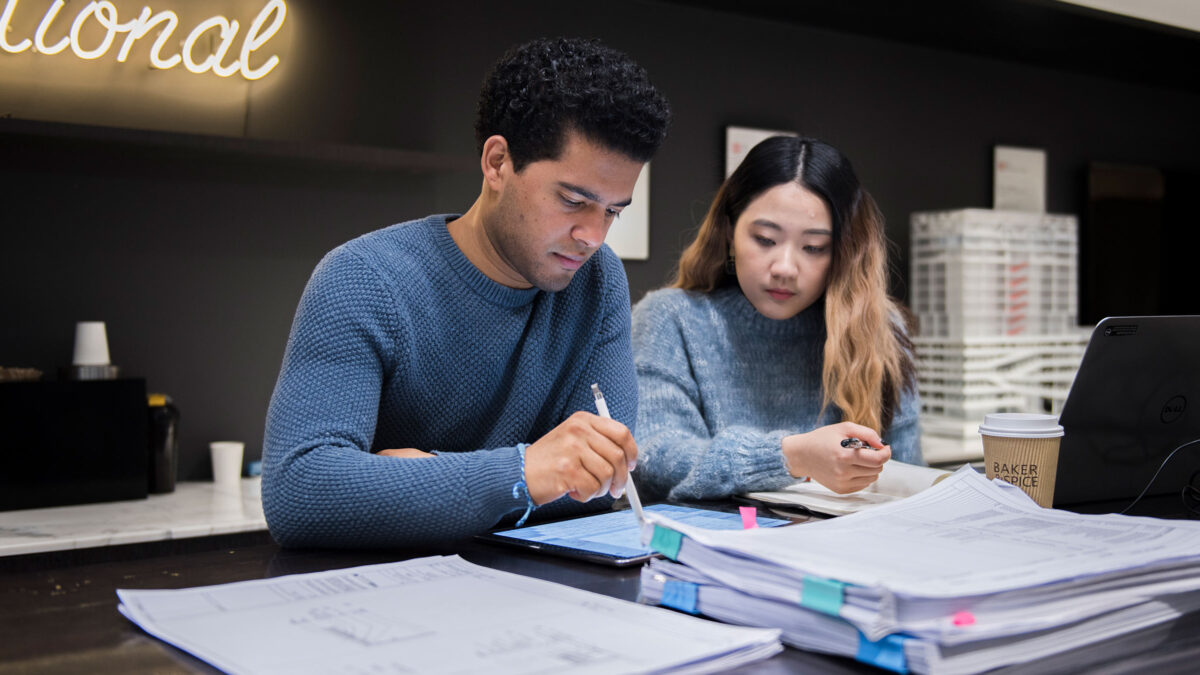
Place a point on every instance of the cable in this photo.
(1191, 494)
(1188, 491)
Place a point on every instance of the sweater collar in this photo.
(492, 291)
(734, 304)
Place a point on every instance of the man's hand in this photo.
(584, 457)
(404, 452)
(820, 456)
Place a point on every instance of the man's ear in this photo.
(495, 162)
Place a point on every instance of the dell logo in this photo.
(1173, 409)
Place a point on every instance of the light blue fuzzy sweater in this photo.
(399, 341)
(719, 387)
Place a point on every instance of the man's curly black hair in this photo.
(542, 89)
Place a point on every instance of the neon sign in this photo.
(104, 13)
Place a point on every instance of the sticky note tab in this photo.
(964, 619)
(887, 653)
(749, 517)
(680, 595)
(666, 542)
(822, 595)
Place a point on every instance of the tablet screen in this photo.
(613, 537)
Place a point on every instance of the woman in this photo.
(777, 340)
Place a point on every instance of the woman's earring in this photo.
(730, 264)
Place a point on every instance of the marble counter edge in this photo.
(195, 509)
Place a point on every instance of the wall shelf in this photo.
(326, 154)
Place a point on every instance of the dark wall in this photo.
(196, 258)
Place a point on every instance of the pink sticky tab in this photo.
(749, 517)
(964, 619)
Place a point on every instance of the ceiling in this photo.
(1178, 13)
(1049, 33)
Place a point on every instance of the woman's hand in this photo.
(819, 455)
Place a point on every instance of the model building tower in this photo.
(995, 295)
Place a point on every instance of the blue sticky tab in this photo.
(666, 542)
(822, 595)
(887, 653)
(680, 595)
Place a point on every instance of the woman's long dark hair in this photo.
(868, 356)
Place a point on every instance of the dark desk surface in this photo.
(58, 611)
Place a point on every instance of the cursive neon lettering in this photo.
(156, 58)
(9, 7)
(137, 30)
(39, 38)
(257, 37)
(227, 30)
(227, 34)
(104, 13)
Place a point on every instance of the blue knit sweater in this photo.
(719, 387)
(400, 341)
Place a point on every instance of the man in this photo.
(437, 376)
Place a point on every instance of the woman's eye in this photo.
(815, 250)
(763, 241)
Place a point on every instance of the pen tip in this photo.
(596, 390)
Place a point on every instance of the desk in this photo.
(194, 509)
(58, 609)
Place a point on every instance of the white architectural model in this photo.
(995, 295)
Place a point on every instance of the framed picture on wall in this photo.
(1019, 179)
(739, 140)
(629, 236)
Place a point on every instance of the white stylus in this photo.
(630, 488)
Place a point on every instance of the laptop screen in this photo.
(1135, 399)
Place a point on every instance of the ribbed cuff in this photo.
(492, 481)
(758, 461)
(520, 488)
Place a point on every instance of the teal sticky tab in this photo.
(680, 595)
(822, 595)
(666, 542)
(887, 653)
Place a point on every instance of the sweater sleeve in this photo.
(680, 458)
(321, 484)
(904, 434)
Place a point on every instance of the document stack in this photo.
(994, 293)
(964, 577)
(439, 614)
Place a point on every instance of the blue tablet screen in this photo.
(616, 533)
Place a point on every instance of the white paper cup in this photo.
(91, 344)
(226, 461)
(1022, 449)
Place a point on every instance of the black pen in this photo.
(856, 443)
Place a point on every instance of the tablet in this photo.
(613, 537)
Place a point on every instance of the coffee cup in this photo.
(226, 461)
(91, 344)
(1022, 449)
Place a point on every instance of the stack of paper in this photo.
(433, 615)
(966, 576)
(897, 481)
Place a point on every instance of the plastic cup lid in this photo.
(1021, 425)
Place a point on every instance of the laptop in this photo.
(1135, 399)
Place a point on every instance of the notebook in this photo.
(1135, 399)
